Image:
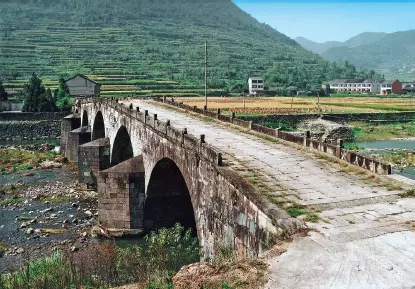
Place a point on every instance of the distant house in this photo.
(391, 86)
(356, 85)
(81, 86)
(409, 87)
(255, 84)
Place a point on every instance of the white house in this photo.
(255, 84)
(356, 85)
(80, 85)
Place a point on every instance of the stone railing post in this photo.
(340, 145)
(250, 124)
(307, 136)
(138, 109)
(220, 159)
(202, 138)
(218, 113)
(277, 131)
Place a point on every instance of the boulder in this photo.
(324, 130)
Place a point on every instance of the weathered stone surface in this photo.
(324, 130)
(222, 214)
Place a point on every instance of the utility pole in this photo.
(318, 101)
(206, 63)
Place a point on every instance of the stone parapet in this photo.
(92, 158)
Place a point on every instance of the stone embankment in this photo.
(22, 126)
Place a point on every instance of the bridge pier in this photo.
(92, 158)
(76, 138)
(121, 196)
(69, 123)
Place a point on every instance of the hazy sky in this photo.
(332, 20)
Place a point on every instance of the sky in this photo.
(326, 20)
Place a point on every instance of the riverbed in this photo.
(379, 148)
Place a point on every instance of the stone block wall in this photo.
(20, 130)
(92, 158)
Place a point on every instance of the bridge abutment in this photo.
(69, 123)
(121, 195)
(92, 158)
(76, 138)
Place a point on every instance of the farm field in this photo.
(274, 105)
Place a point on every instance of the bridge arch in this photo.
(98, 130)
(84, 121)
(168, 200)
(122, 148)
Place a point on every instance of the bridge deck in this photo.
(367, 229)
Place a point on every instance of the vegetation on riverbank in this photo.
(105, 265)
(12, 160)
(371, 132)
(400, 159)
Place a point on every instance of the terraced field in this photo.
(155, 47)
(276, 105)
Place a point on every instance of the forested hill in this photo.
(143, 45)
(392, 55)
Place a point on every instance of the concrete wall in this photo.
(224, 214)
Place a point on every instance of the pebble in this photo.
(20, 251)
(30, 231)
(88, 213)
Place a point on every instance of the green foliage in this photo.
(3, 247)
(282, 126)
(126, 41)
(105, 266)
(37, 99)
(352, 146)
(3, 93)
(63, 98)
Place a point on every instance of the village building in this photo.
(81, 86)
(370, 86)
(391, 86)
(409, 87)
(256, 84)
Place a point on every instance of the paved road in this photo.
(366, 239)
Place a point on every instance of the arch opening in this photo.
(122, 149)
(168, 199)
(85, 121)
(98, 130)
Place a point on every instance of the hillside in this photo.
(392, 55)
(151, 46)
(358, 40)
(317, 47)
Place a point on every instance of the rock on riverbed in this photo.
(327, 130)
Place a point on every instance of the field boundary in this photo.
(337, 150)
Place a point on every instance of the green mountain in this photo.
(392, 55)
(317, 47)
(152, 46)
(358, 40)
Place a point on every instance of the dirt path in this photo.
(366, 234)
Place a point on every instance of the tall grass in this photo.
(104, 265)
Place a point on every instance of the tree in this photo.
(328, 89)
(62, 95)
(36, 98)
(3, 93)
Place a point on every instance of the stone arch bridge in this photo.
(150, 174)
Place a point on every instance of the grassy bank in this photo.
(370, 132)
(16, 160)
(105, 265)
